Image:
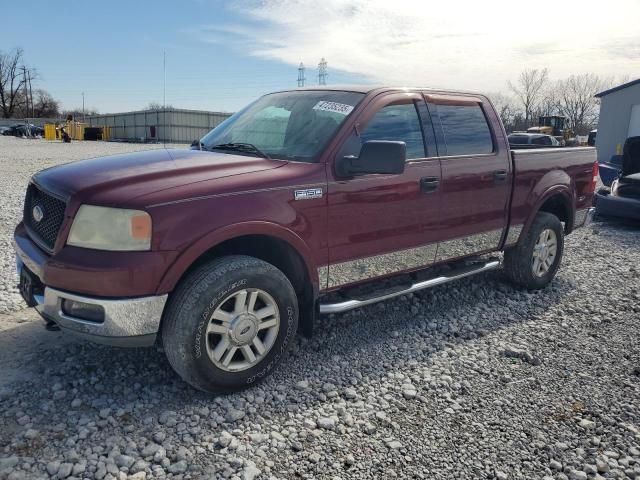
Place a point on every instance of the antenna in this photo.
(164, 97)
(301, 77)
(322, 72)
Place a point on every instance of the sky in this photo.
(221, 55)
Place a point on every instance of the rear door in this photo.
(384, 224)
(476, 175)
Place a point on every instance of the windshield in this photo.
(289, 125)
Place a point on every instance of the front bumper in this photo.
(129, 319)
(128, 322)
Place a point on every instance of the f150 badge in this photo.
(307, 194)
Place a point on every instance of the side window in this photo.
(541, 141)
(465, 129)
(398, 123)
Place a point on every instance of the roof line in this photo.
(162, 110)
(619, 87)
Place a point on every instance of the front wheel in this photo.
(535, 260)
(229, 323)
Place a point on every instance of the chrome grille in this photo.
(50, 209)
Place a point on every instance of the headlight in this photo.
(105, 228)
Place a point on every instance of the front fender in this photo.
(216, 237)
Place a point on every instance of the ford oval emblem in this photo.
(38, 213)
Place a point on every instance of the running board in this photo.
(432, 282)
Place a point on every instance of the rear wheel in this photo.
(229, 323)
(535, 260)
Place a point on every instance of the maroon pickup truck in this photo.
(220, 252)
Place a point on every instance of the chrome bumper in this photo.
(584, 217)
(127, 321)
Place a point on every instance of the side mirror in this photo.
(196, 145)
(376, 156)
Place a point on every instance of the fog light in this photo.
(83, 311)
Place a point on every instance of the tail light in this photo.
(595, 171)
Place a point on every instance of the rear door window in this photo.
(465, 129)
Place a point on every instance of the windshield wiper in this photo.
(241, 147)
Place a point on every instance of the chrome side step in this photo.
(432, 282)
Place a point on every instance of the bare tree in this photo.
(45, 105)
(529, 90)
(577, 101)
(505, 106)
(11, 81)
(549, 103)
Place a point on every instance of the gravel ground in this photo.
(19, 159)
(475, 379)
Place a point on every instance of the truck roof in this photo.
(371, 88)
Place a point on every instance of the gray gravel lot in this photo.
(19, 159)
(476, 379)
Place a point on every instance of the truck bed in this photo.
(538, 171)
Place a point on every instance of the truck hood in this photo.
(118, 178)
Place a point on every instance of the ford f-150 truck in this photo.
(282, 213)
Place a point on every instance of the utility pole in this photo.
(33, 113)
(26, 99)
(301, 77)
(83, 117)
(322, 72)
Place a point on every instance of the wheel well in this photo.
(558, 205)
(277, 252)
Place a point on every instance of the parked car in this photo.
(219, 253)
(23, 130)
(623, 198)
(532, 140)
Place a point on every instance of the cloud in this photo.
(459, 43)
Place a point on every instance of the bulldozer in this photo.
(554, 125)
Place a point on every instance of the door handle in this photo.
(500, 175)
(429, 184)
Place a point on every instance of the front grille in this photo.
(45, 231)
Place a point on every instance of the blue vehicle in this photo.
(611, 170)
(622, 175)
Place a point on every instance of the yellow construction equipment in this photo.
(75, 130)
(50, 131)
(553, 125)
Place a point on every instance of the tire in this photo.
(519, 261)
(210, 298)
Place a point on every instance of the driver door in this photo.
(383, 224)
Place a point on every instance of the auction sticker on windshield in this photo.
(335, 107)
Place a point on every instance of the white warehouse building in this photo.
(619, 118)
(171, 125)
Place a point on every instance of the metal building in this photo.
(619, 118)
(170, 125)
